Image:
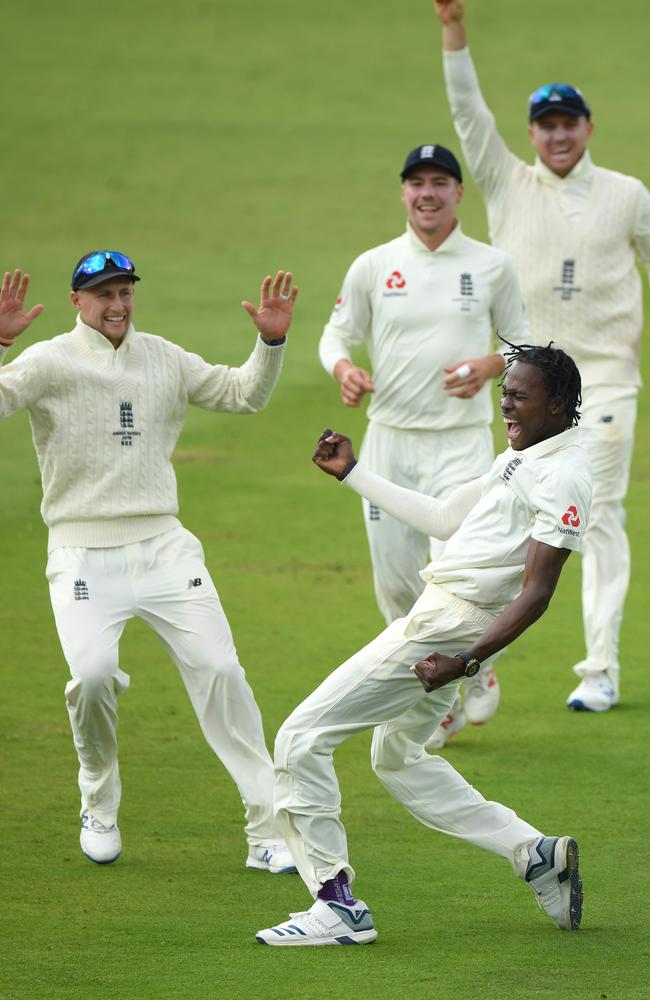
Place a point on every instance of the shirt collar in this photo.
(450, 245)
(582, 171)
(96, 341)
(556, 443)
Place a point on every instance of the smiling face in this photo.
(430, 196)
(560, 139)
(529, 412)
(106, 307)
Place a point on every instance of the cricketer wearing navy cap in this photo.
(557, 97)
(101, 265)
(574, 231)
(433, 156)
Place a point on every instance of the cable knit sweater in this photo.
(573, 239)
(105, 423)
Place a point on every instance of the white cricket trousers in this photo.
(607, 433)
(163, 581)
(431, 462)
(376, 688)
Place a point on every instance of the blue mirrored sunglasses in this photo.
(98, 262)
(562, 89)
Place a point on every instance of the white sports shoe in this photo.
(481, 696)
(594, 693)
(100, 843)
(451, 724)
(554, 877)
(326, 922)
(274, 858)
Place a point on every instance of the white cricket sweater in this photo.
(105, 423)
(419, 312)
(573, 239)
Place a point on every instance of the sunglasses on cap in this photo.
(104, 260)
(561, 95)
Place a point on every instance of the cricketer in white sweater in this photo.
(574, 239)
(106, 413)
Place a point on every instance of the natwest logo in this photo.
(571, 517)
(395, 281)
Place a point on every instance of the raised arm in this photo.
(430, 516)
(541, 574)
(13, 318)
(452, 13)
(275, 312)
(489, 160)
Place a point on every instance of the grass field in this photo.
(215, 143)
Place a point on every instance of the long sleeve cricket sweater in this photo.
(573, 239)
(105, 423)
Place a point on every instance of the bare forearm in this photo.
(454, 36)
(511, 623)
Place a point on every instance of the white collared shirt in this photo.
(542, 493)
(420, 311)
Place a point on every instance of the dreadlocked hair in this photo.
(559, 371)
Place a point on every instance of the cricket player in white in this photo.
(573, 230)
(425, 306)
(509, 534)
(106, 405)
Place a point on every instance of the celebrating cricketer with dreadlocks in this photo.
(508, 535)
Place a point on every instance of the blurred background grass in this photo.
(215, 143)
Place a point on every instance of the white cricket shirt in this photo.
(420, 311)
(542, 492)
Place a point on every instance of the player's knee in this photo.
(293, 748)
(99, 681)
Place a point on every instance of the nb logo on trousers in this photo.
(196, 582)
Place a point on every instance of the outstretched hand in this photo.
(13, 318)
(436, 670)
(449, 10)
(273, 318)
(333, 453)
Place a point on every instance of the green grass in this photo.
(215, 143)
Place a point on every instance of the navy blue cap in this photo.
(432, 156)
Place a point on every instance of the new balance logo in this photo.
(81, 591)
(196, 582)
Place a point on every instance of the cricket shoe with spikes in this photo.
(594, 693)
(326, 922)
(481, 696)
(100, 843)
(452, 723)
(274, 858)
(553, 875)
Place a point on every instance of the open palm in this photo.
(13, 318)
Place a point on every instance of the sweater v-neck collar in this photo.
(94, 342)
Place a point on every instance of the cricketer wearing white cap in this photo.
(106, 405)
(509, 534)
(573, 230)
(425, 305)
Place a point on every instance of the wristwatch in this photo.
(472, 665)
